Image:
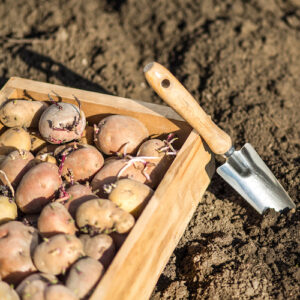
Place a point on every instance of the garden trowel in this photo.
(244, 170)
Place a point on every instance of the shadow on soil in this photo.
(55, 69)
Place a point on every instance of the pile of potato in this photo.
(70, 194)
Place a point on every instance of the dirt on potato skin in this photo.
(241, 59)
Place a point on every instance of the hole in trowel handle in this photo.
(165, 83)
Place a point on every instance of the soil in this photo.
(241, 59)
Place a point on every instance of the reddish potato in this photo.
(58, 291)
(15, 165)
(34, 286)
(118, 133)
(100, 247)
(17, 242)
(22, 113)
(61, 123)
(81, 163)
(130, 195)
(55, 219)
(38, 187)
(84, 275)
(56, 254)
(15, 138)
(78, 194)
(156, 168)
(110, 171)
(103, 215)
(7, 292)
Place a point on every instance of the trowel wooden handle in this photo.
(173, 92)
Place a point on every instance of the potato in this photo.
(59, 292)
(55, 219)
(78, 194)
(81, 163)
(22, 113)
(88, 136)
(130, 195)
(61, 123)
(34, 286)
(15, 165)
(103, 215)
(38, 187)
(8, 209)
(118, 133)
(17, 242)
(100, 247)
(109, 174)
(7, 292)
(83, 276)
(56, 254)
(157, 167)
(37, 142)
(13, 139)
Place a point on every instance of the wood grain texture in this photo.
(141, 259)
(173, 93)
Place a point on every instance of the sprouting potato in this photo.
(59, 292)
(103, 215)
(7, 292)
(78, 194)
(158, 166)
(38, 187)
(130, 195)
(8, 209)
(62, 122)
(13, 139)
(84, 275)
(33, 287)
(80, 162)
(22, 113)
(15, 165)
(120, 134)
(100, 247)
(116, 169)
(56, 254)
(17, 243)
(55, 219)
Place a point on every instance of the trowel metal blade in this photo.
(246, 172)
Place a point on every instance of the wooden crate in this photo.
(138, 264)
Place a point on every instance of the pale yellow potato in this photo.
(22, 113)
(7, 292)
(130, 195)
(104, 215)
(56, 254)
(84, 275)
(8, 210)
(13, 139)
(59, 292)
